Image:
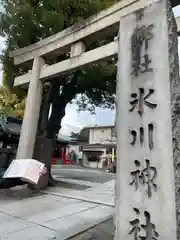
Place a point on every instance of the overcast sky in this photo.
(74, 121)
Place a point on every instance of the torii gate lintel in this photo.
(70, 40)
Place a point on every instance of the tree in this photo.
(11, 104)
(82, 136)
(25, 22)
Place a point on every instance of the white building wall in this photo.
(100, 135)
(90, 135)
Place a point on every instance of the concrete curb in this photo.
(80, 198)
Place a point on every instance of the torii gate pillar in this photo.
(31, 115)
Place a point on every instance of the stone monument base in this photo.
(43, 153)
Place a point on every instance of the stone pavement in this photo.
(99, 193)
(81, 173)
(104, 230)
(52, 215)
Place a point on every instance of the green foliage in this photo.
(25, 22)
(28, 21)
(10, 104)
(82, 136)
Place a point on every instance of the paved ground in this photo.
(61, 211)
(103, 231)
(79, 173)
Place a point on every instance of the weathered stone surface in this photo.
(72, 224)
(175, 101)
(14, 225)
(31, 113)
(30, 233)
(54, 217)
(104, 230)
(137, 152)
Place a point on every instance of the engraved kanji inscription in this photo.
(138, 100)
(136, 227)
(150, 135)
(145, 231)
(145, 64)
(136, 175)
(144, 176)
(139, 42)
(139, 14)
(139, 136)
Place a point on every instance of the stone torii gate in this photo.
(70, 40)
(74, 40)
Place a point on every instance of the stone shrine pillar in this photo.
(31, 115)
(148, 93)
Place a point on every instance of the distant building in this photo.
(102, 139)
(102, 135)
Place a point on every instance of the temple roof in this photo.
(10, 126)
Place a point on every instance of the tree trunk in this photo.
(45, 107)
(49, 127)
(54, 123)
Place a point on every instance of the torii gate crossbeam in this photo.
(71, 40)
(63, 42)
